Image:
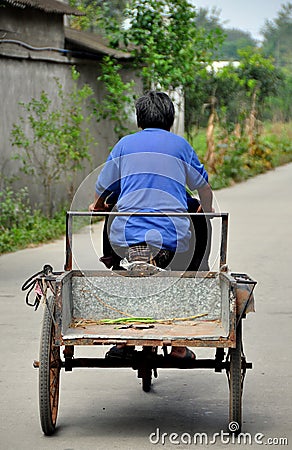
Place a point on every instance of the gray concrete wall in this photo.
(25, 73)
(24, 79)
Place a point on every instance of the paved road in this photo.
(107, 409)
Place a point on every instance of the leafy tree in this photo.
(277, 36)
(209, 19)
(53, 140)
(236, 86)
(235, 40)
(118, 98)
(96, 13)
(165, 41)
(254, 80)
(196, 98)
(215, 88)
(258, 75)
(243, 89)
(234, 97)
(278, 107)
(168, 47)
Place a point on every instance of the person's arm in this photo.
(108, 182)
(206, 198)
(98, 204)
(197, 179)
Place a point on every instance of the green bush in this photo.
(237, 161)
(21, 226)
(280, 143)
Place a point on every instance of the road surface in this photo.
(107, 409)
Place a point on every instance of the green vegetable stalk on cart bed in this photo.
(133, 320)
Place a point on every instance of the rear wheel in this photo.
(146, 379)
(236, 383)
(145, 371)
(49, 373)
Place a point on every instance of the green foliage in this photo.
(165, 41)
(209, 18)
(53, 139)
(232, 165)
(221, 87)
(278, 137)
(11, 204)
(118, 99)
(236, 162)
(235, 40)
(258, 73)
(97, 13)
(277, 36)
(91, 18)
(21, 226)
(278, 108)
(235, 88)
(167, 44)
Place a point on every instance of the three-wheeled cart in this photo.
(164, 310)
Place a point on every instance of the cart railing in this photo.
(71, 214)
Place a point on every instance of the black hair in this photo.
(155, 110)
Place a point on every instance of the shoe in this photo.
(188, 356)
(125, 352)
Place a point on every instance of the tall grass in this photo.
(21, 226)
(237, 161)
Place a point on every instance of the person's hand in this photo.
(98, 206)
(200, 210)
(91, 207)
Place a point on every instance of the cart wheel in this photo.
(146, 372)
(49, 373)
(236, 383)
(146, 380)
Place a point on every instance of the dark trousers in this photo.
(195, 259)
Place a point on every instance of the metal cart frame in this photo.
(57, 330)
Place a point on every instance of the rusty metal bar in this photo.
(224, 234)
(69, 219)
(145, 213)
(58, 314)
(158, 362)
(228, 342)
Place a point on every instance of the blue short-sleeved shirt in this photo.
(150, 171)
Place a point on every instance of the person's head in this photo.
(155, 110)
